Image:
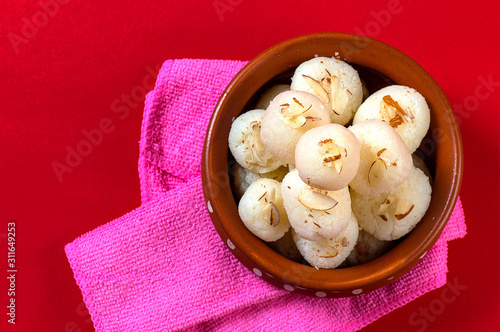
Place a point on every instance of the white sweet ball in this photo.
(392, 215)
(286, 247)
(246, 145)
(329, 253)
(315, 214)
(420, 164)
(242, 178)
(335, 82)
(404, 108)
(385, 160)
(288, 117)
(367, 248)
(327, 157)
(261, 210)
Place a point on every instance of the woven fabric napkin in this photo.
(163, 266)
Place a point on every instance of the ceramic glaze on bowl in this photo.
(379, 65)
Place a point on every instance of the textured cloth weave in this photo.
(163, 266)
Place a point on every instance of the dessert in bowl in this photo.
(379, 65)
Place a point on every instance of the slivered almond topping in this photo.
(297, 102)
(315, 224)
(396, 120)
(333, 154)
(376, 173)
(403, 209)
(317, 201)
(255, 151)
(381, 151)
(393, 113)
(295, 121)
(325, 141)
(293, 116)
(307, 109)
(275, 215)
(256, 157)
(386, 160)
(331, 159)
(334, 162)
(272, 195)
(327, 147)
(289, 112)
(264, 194)
(318, 88)
(339, 96)
(338, 166)
(385, 204)
(312, 118)
(394, 206)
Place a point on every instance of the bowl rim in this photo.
(368, 276)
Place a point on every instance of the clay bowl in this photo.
(378, 65)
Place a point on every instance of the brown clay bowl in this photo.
(378, 65)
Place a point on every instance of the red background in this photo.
(62, 77)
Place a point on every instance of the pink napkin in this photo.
(163, 266)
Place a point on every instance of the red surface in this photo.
(65, 77)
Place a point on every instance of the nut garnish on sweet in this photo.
(317, 200)
(376, 173)
(269, 197)
(399, 207)
(393, 113)
(275, 215)
(318, 88)
(255, 155)
(403, 209)
(329, 90)
(332, 154)
(292, 115)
